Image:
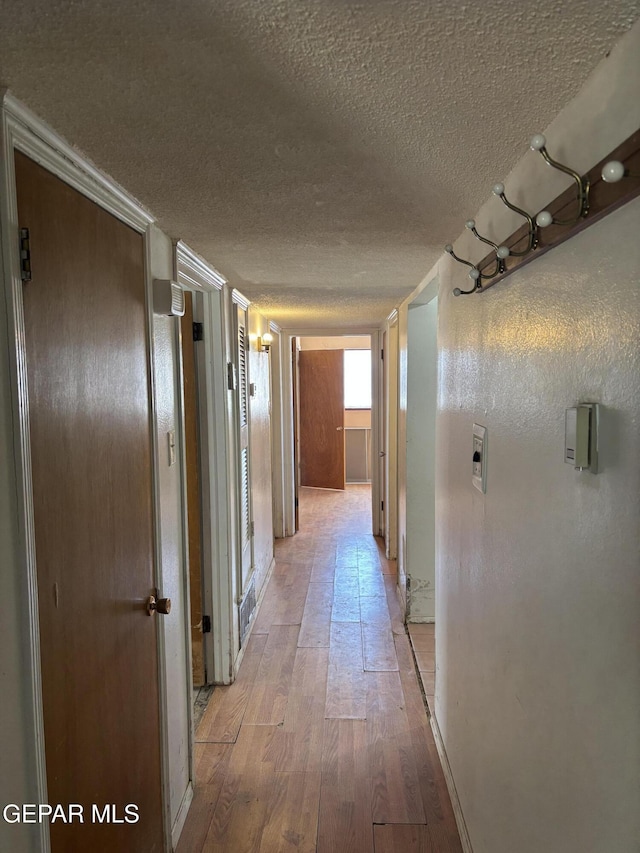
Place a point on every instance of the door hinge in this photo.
(252, 389)
(206, 624)
(382, 505)
(25, 255)
(382, 354)
(252, 528)
(198, 332)
(296, 503)
(232, 376)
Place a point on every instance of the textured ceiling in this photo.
(318, 153)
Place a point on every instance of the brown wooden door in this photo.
(87, 364)
(322, 418)
(194, 506)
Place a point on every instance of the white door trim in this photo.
(23, 131)
(196, 275)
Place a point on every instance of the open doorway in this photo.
(334, 412)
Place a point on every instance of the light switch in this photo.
(171, 442)
(479, 458)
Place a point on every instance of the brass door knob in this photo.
(161, 605)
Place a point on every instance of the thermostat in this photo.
(581, 437)
(479, 458)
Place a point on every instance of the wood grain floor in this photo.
(323, 741)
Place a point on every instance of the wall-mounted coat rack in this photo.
(611, 183)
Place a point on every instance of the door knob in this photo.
(382, 453)
(339, 429)
(161, 605)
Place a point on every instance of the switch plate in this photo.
(479, 458)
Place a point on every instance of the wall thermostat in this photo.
(581, 437)
(479, 459)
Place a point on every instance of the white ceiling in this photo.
(318, 153)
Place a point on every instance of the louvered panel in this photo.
(244, 476)
(242, 374)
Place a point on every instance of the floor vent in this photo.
(247, 608)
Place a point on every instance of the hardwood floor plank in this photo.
(346, 598)
(241, 810)
(393, 603)
(323, 566)
(377, 638)
(370, 578)
(268, 700)
(346, 686)
(196, 828)
(297, 745)
(283, 603)
(398, 838)
(345, 821)
(316, 621)
(221, 721)
(292, 814)
(395, 786)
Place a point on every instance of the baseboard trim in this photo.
(451, 787)
(181, 817)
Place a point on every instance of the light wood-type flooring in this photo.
(323, 742)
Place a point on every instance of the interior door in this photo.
(321, 374)
(88, 367)
(384, 397)
(194, 507)
(296, 431)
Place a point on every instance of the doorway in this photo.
(333, 406)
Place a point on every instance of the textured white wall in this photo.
(537, 688)
(260, 441)
(422, 388)
(333, 342)
(171, 571)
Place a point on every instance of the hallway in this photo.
(323, 741)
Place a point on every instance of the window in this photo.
(357, 379)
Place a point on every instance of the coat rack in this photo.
(611, 183)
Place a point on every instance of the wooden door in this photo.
(322, 418)
(194, 506)
(296, 438)
(88, 383)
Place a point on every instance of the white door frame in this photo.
(390, 414)
(23, 131)
(277, 435)
(287, 415)
(207, 285)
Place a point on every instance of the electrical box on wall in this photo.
(168, 298)
(581, 437)
(479, 459)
